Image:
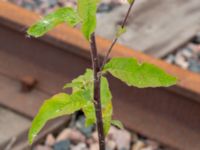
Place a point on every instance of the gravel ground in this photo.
(188, 56)
(77, 137)
(46, 6)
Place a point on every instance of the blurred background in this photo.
(166, 33)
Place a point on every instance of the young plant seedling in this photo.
(90, 91)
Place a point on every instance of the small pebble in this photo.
(80, 146)
(80, 124)
(95, 136)
(111, 145)
(50, 140)
(72, 134)
(138, 145)
(186, 53)
(103, 7)
(154, 145)
(65, 134)
(94, 146)
(90, 141)
(41, 147)
(62, 145)
(121, 137)
(170, 59)
(194, 66)
(148, 148)
(135, 137)
(180, 61)
(194, 47)
(77, 136)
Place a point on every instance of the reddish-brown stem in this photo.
(97, 94)
(97, 80)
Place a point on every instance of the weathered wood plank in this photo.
(21, 140)
(156, 27)
(11, 124)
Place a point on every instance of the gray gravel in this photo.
(78, 137)
(188, 56)
(45, 6)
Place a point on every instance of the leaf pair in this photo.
(81, 98)
(85, 83)
(85, 14)
(128, 70)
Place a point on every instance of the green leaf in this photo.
(81, 82)
(117, 123)
(71, 85)
(59, 105)
(66, 14)
(107, 111)
(130, 1)
(85, 83)
(141, 75)
(120, 31)
(89, 112)
(87, 11)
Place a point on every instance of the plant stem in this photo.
(97, 92)
(116, 38)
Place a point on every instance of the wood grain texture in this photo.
(155, 27)
(11, 124)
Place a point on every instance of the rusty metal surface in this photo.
(24, 103)
(169, 115)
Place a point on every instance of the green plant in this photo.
(90, 91)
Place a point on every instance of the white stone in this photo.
(121, 137)
(65, 134)
(95, 136)
(111, 145)
(50, 140)
(80, 146)
(94, 146)
(186, 53)
(72, 134)
(138, 145)
(77, 136)
(153, 144)
(41, 147)
(180, 60)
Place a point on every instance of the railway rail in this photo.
(168, 115)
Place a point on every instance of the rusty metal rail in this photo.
(169, 115)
